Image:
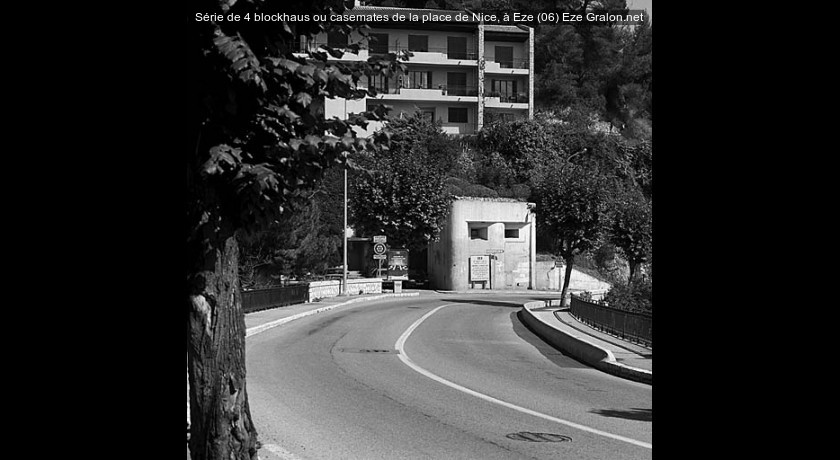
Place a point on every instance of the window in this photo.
(456, 83)
(420, 80)
(504, 56)
(506, 90)
(378, 43)
(514, 232)
(478, 233)
(336, 39)
(418, 43)
(456, 47)
(457, 115)
(428, 113)
(379, 83)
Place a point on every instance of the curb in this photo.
(271, 324)
(580, 348)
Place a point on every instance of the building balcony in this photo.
(497, 101)
(442, 94)
(510, 67)
(439, 56)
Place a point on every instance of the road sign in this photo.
(380, 256)
(493, 251)
(380, 239)
(479, 268)
(379, 248)
(397, 264)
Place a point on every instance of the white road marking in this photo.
(280, 452)
(408, 362)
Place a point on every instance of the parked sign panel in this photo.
(479, 268)
(397, 264)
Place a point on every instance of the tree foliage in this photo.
(260, 139)
(572, 205)
(401, 192)
(305, 243)
(602, 68)
(630, 227)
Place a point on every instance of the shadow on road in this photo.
(514, 303)
(507, 304)
(642, 415)
(554, 355)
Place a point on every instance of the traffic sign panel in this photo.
(380, 239)
(379, 248)
(380, 256)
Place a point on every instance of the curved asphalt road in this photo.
(465, 381)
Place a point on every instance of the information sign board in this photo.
(479, 268)
(397, 264)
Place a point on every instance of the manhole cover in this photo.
(538, 437)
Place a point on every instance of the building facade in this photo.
(486, 243)
(464, 74)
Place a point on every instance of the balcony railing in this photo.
(508, 63)
(444, 90)
(306, 46)
(455, 90)
(521, 98)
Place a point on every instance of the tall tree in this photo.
(308, 241)
(631, 227)
(572, 206)
(259, 138)
(401, 192)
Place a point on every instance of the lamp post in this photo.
(344, 282)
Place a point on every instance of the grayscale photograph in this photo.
(420, 229)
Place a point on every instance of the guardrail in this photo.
(632, 326)
(262, 299)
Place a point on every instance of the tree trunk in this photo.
(220, 418)
(221, 426)
(567, 278)
(633, 266)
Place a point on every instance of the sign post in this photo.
(379, 249)
(379, 256)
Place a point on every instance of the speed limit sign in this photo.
(379, 248)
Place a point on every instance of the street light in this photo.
(344, 283)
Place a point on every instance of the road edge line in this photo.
(401, 354)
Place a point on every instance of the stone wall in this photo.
(331, 288)
(550, 277)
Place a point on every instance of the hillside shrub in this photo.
(637, 297)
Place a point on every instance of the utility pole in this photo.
(344, 283)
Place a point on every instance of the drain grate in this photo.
(538, 437)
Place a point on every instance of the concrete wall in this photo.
(550, 277)
(331, 288)
(513, 259)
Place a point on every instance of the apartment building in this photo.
(464, 74)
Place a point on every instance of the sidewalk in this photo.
(260, 321)
(557, 327)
